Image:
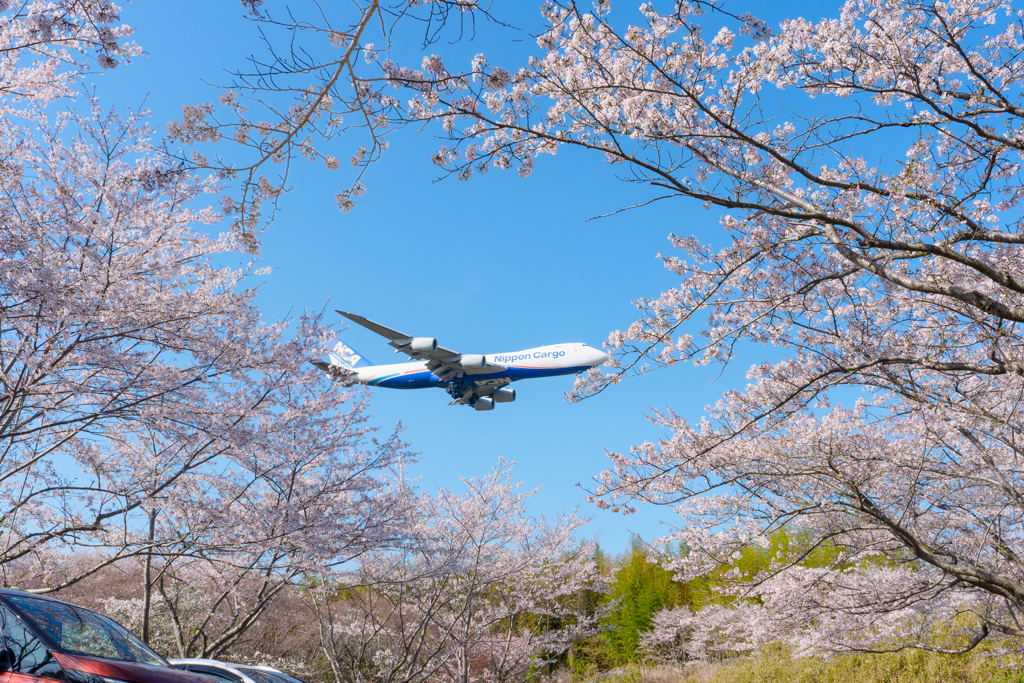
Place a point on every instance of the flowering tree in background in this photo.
(309, 491)
(868, 171)
(484, 592)
(307, 496)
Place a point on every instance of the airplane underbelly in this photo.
(514, 373)
(424, 378)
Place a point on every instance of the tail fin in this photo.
(347, 357)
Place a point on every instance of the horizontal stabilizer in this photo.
(336, 372)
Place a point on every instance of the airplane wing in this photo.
(443, 362)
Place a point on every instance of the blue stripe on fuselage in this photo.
(425, 378)
(412, 380)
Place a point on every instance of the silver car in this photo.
(234, 673)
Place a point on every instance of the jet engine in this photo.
(504, 395)
(473, 362)
(423, 344)
(483, 403)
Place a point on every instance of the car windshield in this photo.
(79, 631)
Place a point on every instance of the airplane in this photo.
(475, 380)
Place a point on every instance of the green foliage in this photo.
(641, 588)
(909, 666)
(783, 545)
(776, 665)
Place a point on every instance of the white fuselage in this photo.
(500, 368)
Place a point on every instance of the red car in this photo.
(50, 640)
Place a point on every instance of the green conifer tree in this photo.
(641, 588)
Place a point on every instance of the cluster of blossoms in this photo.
(45, 47)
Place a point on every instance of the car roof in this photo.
(27, 594)
(215, 663)
(222, 664)
(271, 670)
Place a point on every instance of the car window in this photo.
(79, 631)
(28, 654)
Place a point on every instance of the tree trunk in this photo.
(147, 597)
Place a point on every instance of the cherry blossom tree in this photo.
(867, 172)
(146, 408)
(142, 382)
(308, 490)
(105, 284)
(483, 592)
(713, 632)
(307, 496)
(116, 326)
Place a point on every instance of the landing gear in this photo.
(454, 388)
(467, 396)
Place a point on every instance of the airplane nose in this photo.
(595, 357)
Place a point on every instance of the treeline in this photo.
(470, 609)
(474, 588)
(461, 609)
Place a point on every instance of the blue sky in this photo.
(497, 263)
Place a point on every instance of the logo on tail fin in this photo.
(347, 357)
